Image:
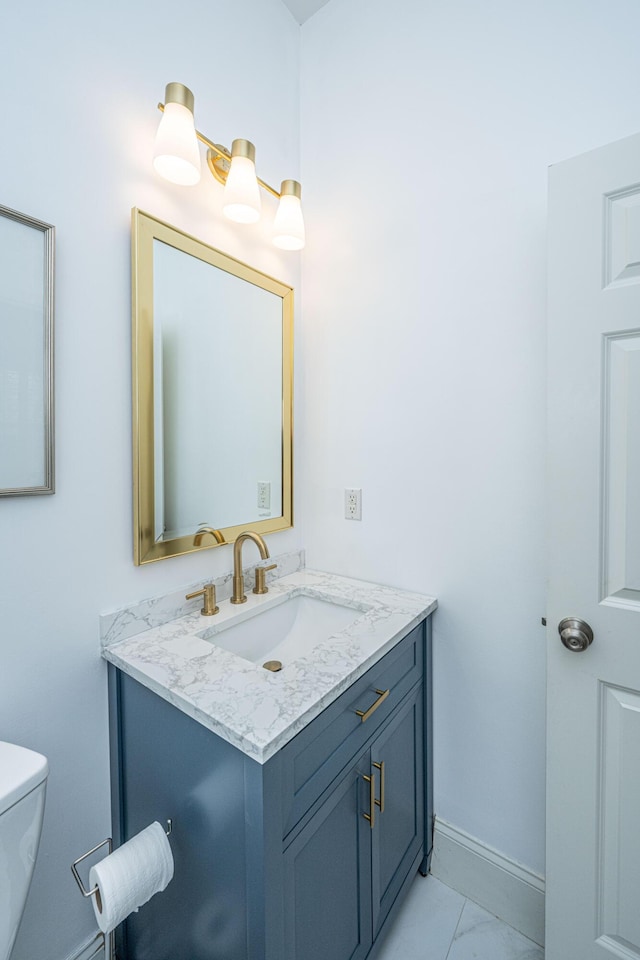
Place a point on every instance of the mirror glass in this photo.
(26, 355)
(212, 395)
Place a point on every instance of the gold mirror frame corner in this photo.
(144, 230)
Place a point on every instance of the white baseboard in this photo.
(92, 950)
(502, 886)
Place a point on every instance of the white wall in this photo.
(81, 82)
(427, 129)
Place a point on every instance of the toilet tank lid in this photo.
(21, 771)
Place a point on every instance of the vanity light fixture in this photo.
(177, 159)
(288, 226)
(241, 201)
(176, 156)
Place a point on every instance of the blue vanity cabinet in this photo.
(278, 861)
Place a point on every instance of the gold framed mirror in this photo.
(212, 349)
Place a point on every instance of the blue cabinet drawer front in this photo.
(318, 754)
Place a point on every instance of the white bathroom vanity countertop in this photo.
(255, 710)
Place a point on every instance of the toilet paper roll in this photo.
(129, 877)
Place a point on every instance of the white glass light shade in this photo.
(176, 156)
(288, 226)
(241, 201)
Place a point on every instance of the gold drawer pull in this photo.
(371, 816)
(365, 714)
(380, 802)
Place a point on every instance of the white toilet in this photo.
(23, 778)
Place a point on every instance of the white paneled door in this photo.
(593, 791)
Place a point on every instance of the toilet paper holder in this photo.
(74, 866)
(108, 842)
(90, 893)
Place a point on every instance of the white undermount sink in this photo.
(284, 632)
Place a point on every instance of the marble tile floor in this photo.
(437, 923)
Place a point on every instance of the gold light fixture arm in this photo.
(219, 164)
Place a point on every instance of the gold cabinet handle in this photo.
(365, 714)
(380, 802)
(371, 816)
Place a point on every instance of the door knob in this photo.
(575, 634)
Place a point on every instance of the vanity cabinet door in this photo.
(397, 761)
(343, 874)
(327, 871)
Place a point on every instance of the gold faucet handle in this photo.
(261, 578)
(209, 594)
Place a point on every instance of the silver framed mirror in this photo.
(26, 355)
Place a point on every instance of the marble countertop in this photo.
(255, 710)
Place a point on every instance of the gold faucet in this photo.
(238, 579)
(203, 531)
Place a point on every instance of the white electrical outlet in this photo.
(352, 504)
(264, 494)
